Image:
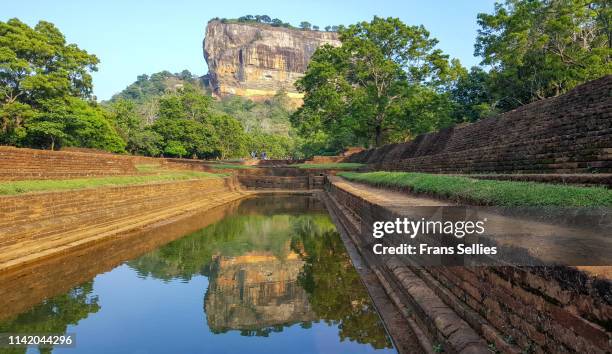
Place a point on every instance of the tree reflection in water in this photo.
(276, 262)
(53, 315)
(335, 290)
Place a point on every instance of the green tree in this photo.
(133, 128)
(37, 63)
(185, 119)
(305, 25)
(175, 148)
(472, 96)
(45, 87)
(12, 122)
(72, 122)
(358, 92)
(539, 49)
(231, 138)
(47, 133)
(275, 146)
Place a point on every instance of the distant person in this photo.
(253, 154)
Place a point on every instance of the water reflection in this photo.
(275, 264)
(53, 315)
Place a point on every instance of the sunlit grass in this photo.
(148, 168)
(19, 187)
(488, 192)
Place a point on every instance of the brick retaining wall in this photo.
(281, 182)
(20, 164)
(516, 309)
(46, 222)
(28, 285)
(571, 133)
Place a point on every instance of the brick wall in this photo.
(42, 222)
(571, 133)
(515, 309)
(28, 285)
(278, 182)
(19, 164)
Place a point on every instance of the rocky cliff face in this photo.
(256, 60)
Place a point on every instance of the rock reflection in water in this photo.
(256, 293)
(266, 265)
(276, 262)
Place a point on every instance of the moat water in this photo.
(270, 276)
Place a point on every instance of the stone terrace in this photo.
(22, 164)
(571, 133)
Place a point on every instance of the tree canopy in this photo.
(45, 91)
(385, 83)
(360, 92)
(539, 49)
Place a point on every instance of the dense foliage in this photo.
(539, 49)
(382, 84)
(174, 115)
(270, 116)
(274, 22)
(386, 83)
(45, 91)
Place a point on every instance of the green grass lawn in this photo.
(331, 166)
(148, 168)
(488, 192)
(19, 187)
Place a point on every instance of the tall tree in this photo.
(45, 91)
(231, 138)
(184, 123)
(543, 48)
(37, 63)
(360, 89)
(134, 129)
(472, 96)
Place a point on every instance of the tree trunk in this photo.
(378, 135)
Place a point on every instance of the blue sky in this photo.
(142, 37)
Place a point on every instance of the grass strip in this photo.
(331, 166)
(488, 192)
(27, 186)
(148, 168)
